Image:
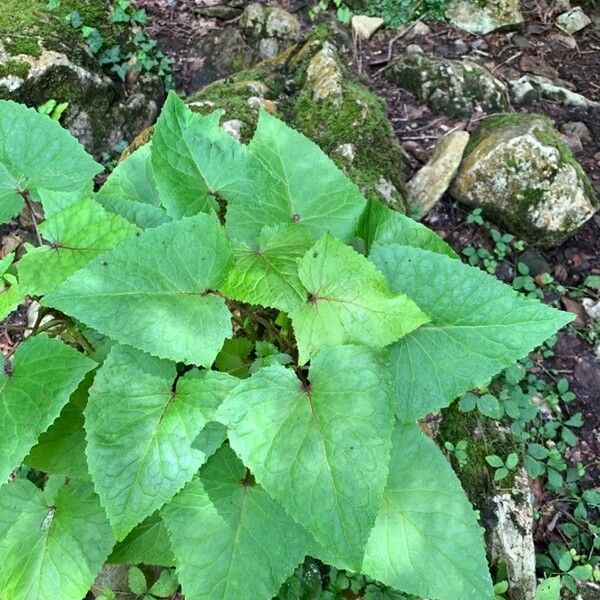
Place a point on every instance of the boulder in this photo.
(484, 16)
(453, 87)
(310, 88)
(42, 57)
(517, 169)
(430, 183)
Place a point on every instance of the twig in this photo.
(27, 200)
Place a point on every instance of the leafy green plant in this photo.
(502, 467)
(342, 10)
(154, 451)
(53, 109)
(164, 587)
(459, 451)
(398, 12)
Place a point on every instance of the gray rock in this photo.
(534, 87)
(268, 48)
(223, 52)
(324, 75)
(573, 20)
(512, 536)
(233, 127)
(364, 27)
(282, 25)
(475, 16)
(578, 129)
(517, 169)
(430, 183)
(253, 19)
(453, 87)
(420, 28)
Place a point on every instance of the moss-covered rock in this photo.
(484, 16)
(43, 57)
(309, 87)
(452, 87)
(517, 169)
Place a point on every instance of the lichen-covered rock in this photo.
(433, 179)
(517, 169)
(512, 536)
(484, 16)
(573, 20)
(453, 87)
(528, 88)
(42, 57)
(309, 87)
(269, 30)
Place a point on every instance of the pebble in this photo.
(573, 20)
(578, 129)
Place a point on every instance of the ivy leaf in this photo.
(382, 225)
(479, 327)
(426, 540)
(60, 450)
(193, 159)
(268, 276)
(230, 539)
(140, 431)
(77, 234)
(37, 153)
(292, 181)
(147, 543)
(130, 191)
(51, 547)
(349, 301)
(151, 291)
(320, 450)
(45, 372)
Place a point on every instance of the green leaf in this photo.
(230, 539)
(77, 234)
(165, 586)
(489, 406)
(147, 543)
(45, 372)
(292, 181)
(268, 276)
(50, 547)
(548, 589)
(479, 326)
(152, 291)
(130, 191)
(60, 450)
(53, 202)
(234, 357)
(348, 301)
(426, 540)
(382, 225)
(494, 461)
(137, 581)
(582, 572)
(512, 460)
(37, 153)
(193, 159)
(565, 562)
(140, 432)
(11, 295)
(321, 450)
(500, 474)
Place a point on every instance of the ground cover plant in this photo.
(231, 355)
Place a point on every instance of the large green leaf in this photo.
(152, 291)
(479, 326)
(60, 450)
(140, 431)
(426, 540)
(193, 159)
(45, 372)
(268, 276)
(37, 153)
(382, 225)
(130, 191)
(76, 234)
(147, 543)
(230, 539)
(348, 301)
(291, 181)
(319, 449)
(51, 544)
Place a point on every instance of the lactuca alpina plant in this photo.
(231, 355)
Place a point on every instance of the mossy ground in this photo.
(484, 437)
(28, 26)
